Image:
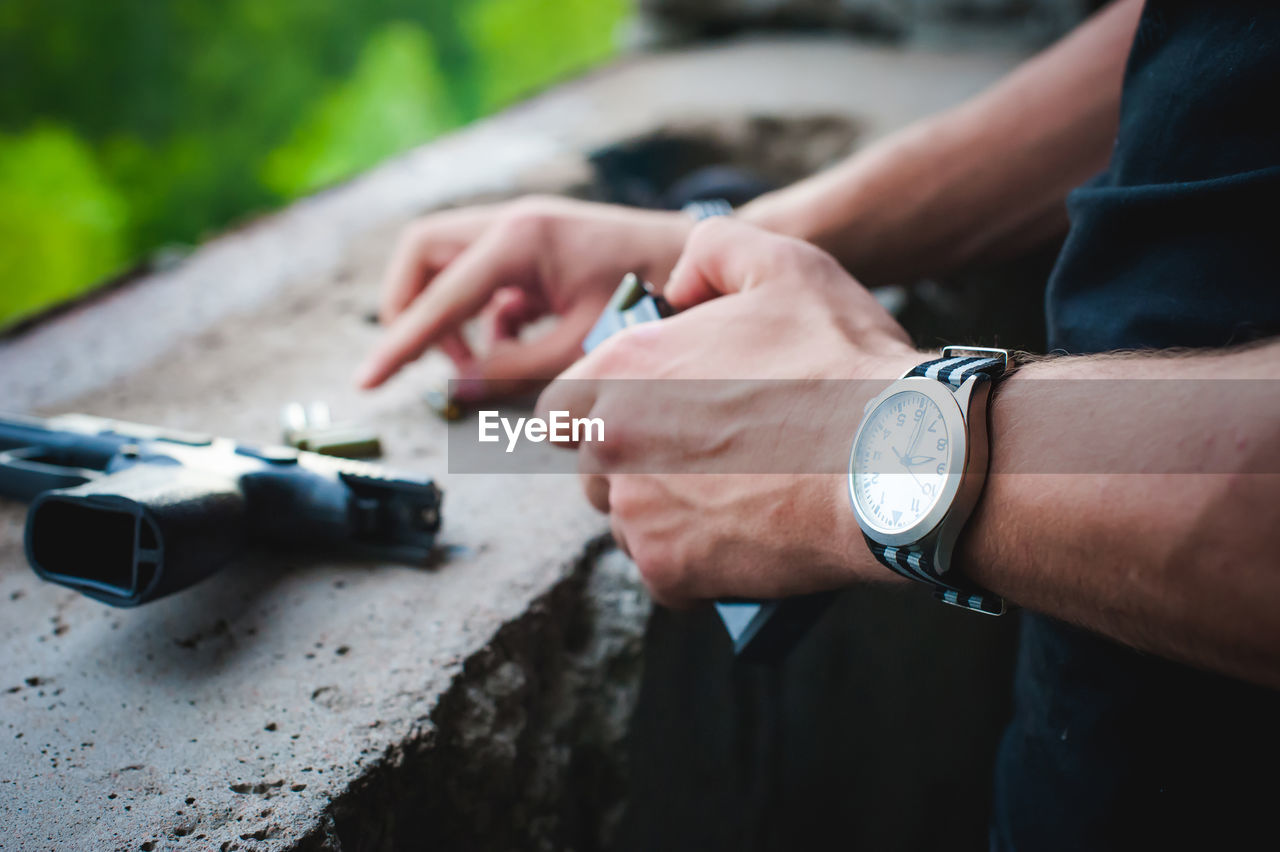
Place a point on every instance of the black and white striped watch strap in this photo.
(953, 370)
(914, 564)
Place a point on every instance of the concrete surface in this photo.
(296, 703)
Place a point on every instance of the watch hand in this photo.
(903, 461)
(915, 436)
(911, 461)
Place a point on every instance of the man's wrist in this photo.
(776, 211)
(844, 212)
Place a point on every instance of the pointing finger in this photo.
(458, 292)
(426, 247)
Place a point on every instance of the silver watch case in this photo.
(964, 412)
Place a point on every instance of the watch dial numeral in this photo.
(899, 470)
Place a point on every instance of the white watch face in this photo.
(901, 461)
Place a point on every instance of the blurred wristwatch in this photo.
(707, 208)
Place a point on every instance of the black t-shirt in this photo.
(1176, 244)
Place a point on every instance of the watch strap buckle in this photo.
(980, 351)
(985, 603)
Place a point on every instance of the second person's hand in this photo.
(513, 263)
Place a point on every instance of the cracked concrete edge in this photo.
(524, 749)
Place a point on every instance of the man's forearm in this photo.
(985, 179)
(1177, 559)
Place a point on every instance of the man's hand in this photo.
(513, 263)
(795, 315)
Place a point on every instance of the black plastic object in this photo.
(666, 172)
(761, 630)
(127, 513)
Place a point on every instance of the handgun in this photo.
(762, 630)
(128, 513)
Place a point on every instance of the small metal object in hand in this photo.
(762, 630)
(635, 301)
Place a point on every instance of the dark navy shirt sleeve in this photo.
(1177, 244)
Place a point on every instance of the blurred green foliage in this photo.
(130, 125)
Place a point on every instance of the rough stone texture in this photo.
(524, 751)
(309, 704)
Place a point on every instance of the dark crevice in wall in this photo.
(524, 751)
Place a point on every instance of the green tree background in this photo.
(132, 125)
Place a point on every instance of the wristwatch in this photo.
(917, 468)
(707, 208)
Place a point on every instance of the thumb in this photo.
(723, 256)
